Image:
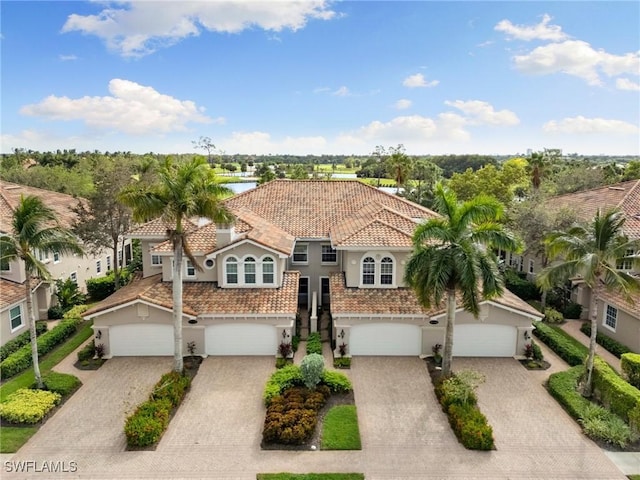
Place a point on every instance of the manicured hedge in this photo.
(290, 376)
(563, 344)
(607, 343)
(148, 423)
(20, 341)
(563, 387)
(21, 359)
(630, 363)
(615, 393)
(28, 406)
(314, 343)
(62, 383)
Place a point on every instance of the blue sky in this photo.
(316, 77)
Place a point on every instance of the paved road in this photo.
(216, 433)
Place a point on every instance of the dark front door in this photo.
(303, 292)
(324, 288)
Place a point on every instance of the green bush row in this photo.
(150, 420)
(597, 423)
(87, 352)
(563, 344)
(614, 392)
(28, 406)
(520, 286)
(100, 288)
(314, 343)
(607, 343)
(630, 363)
(61, 383)
(21, 359)
(20, 341)
(291, 376)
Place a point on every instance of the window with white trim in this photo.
(98, 266)
(378, 270)
(626, 263)
(329, 254)
(268, 270)
(108, 262)
(156, 260)
(301, 253)
(15, 316)
(231, 270)
(5, 266)
(56, 257)
(189, 269)
(611, 317)
(249, 270)
(531, 265)
(73, 276)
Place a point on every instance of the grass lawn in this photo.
(634, 477)
(13, 438)
(310, 476)
(340, 429)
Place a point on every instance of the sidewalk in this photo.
(572, 327)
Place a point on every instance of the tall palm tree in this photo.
(399, 166)
(538, 164)
(35, 229)
(593, 253)
(183, 190)
(454, 253)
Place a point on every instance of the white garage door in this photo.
(484, 340)
(385, 339)
(141, 340)
(241, 339)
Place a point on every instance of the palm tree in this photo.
(593, 253)
(538, 164)
(183, 190)
(399, 166)
(35, 229)
(454, 253)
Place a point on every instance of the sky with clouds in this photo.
(321, 77)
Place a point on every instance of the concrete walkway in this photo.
(572, 327)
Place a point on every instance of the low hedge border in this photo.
(21, 359)
(28, 406)
(150, 420)
(563, 344)
(21, 340)
(614, 392)
(608, 343)
(630, 363)
(291, 376)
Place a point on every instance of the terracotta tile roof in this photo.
(203, 298)
(398, 301)
(616, 299)
(10, 293)
(310, 208)
(625, 195)
(158, 229)
(10, 194)
(264, 233)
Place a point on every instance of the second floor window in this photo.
(301, 253)
(190, 270)
(56, 257)
(249, 271)
(231, 266)
(625, 263)
(329, 254)
(98, 266)
(378, 273)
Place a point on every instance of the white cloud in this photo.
(577, 58)
(418, 80)
(135, 29)
(482, 113)
(541, 31)
(342, 92)
(626, 84)
(67, 58)
(261, 143)
(583, 125)
(403, 104)
(132, 108)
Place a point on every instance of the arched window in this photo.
(250, 270)
(386, 271)
(267, 270)
(231, 266)
(368, 271)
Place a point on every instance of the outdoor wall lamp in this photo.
(341, 334)
(284, 334)
(526, 335)
(99, 334)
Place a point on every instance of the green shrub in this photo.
(572, 310)
(522, 287)
(61, 383)
(21, 359)
(471, 427)
(314, 343)
(283, 378)
(614, 392)
(28, 406)
(563, 344)
(173, 387)
(55, 312)
(600, 424)
(76, 312)
(100, 288)
(634, 419)
(336, 381)
(21, 340)
(608, 343)
(630, 363)
(563, 387)
(147, 424)
(87, 352)
(537, 351)
(311, 368)
(551, 315)
(342, 362)
(295, 341)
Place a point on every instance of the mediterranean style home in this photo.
(336, 246)
(13, 311)
(618, 318)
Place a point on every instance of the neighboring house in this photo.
(12, 275)
(618, 318)
(340, 244)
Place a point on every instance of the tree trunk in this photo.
(32, 333)
(447, 356)
(587, 388)
(177, 303)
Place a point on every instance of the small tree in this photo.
(311, 368)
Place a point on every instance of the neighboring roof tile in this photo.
(616, 299)
(158, 228)
(202, 298)
(265, 233)
(10, 293)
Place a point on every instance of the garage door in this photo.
(241, 339)
(484, 340)
(139, 340)
(385, 339)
